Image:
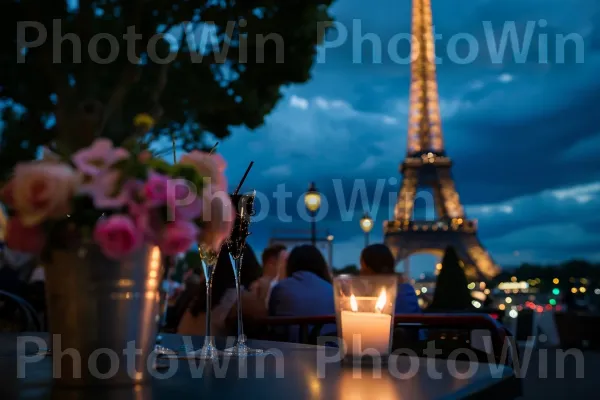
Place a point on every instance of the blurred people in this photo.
(307, 289)
(223, 299)
(274, 260)
(378, 259)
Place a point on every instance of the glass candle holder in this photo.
(365, 307)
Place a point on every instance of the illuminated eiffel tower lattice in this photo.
(427, 167)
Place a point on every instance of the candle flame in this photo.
(353, 303)
(381, 301)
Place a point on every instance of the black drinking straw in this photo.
(243, 178)
(213, 148)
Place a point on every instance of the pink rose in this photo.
(178, 237)
(210, 166)
(155, 189)
(106, 193)
(147, 220)
(98, 157)
(217, 220)
(117, 236)
(182, 201)
(28, 239)
(43, 190)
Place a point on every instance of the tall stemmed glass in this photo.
(209, 258)
(235, 244)
(163, 307)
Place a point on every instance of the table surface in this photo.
(291, 371)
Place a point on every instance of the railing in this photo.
(455, 225)
(310, 327)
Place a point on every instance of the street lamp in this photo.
(312, 201)
(366, 224)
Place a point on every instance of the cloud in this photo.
(368, 164)
(581, 194)
(278, 171)
(298, 102)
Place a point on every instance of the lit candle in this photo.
(371, 330)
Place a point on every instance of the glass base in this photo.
(207, 352)
(242, 350)
(163, 351)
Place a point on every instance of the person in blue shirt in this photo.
(378, 259)
(306, 291)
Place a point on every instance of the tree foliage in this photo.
(451, 291)
(223, 65)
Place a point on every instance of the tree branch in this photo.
(130, 75)
(131, 72)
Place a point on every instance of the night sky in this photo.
(524, 134)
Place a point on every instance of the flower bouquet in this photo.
(102, 219)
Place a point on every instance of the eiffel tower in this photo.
(426, 165)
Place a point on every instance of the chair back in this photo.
(17, 315)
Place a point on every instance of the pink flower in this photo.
(210, 166)
(178, 237)
(117, 236)
(147, 220)
(98, 157)
(105, 191)
(28, 239)
(217, 220)
(155, 189)
(42, 190)
(182, 201)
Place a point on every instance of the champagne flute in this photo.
(163, 307)
(209, 258)
(235, 244)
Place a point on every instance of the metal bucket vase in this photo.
(101, 311)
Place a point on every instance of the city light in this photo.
(556, 291)
(476, 304)
(424, 290)
(552, 302)
(573, 290)
(471, 285)
(513, 279)
(597, 291)
(312, 198)
(582, 289)
(508, 300)
(513, 314)
(555, 281)
(366, 223)
(502, 307)
(513, 286)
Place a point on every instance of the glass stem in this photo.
(163, 297)
(238, 270)
(209, 306)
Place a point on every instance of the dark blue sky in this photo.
(524, 135)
